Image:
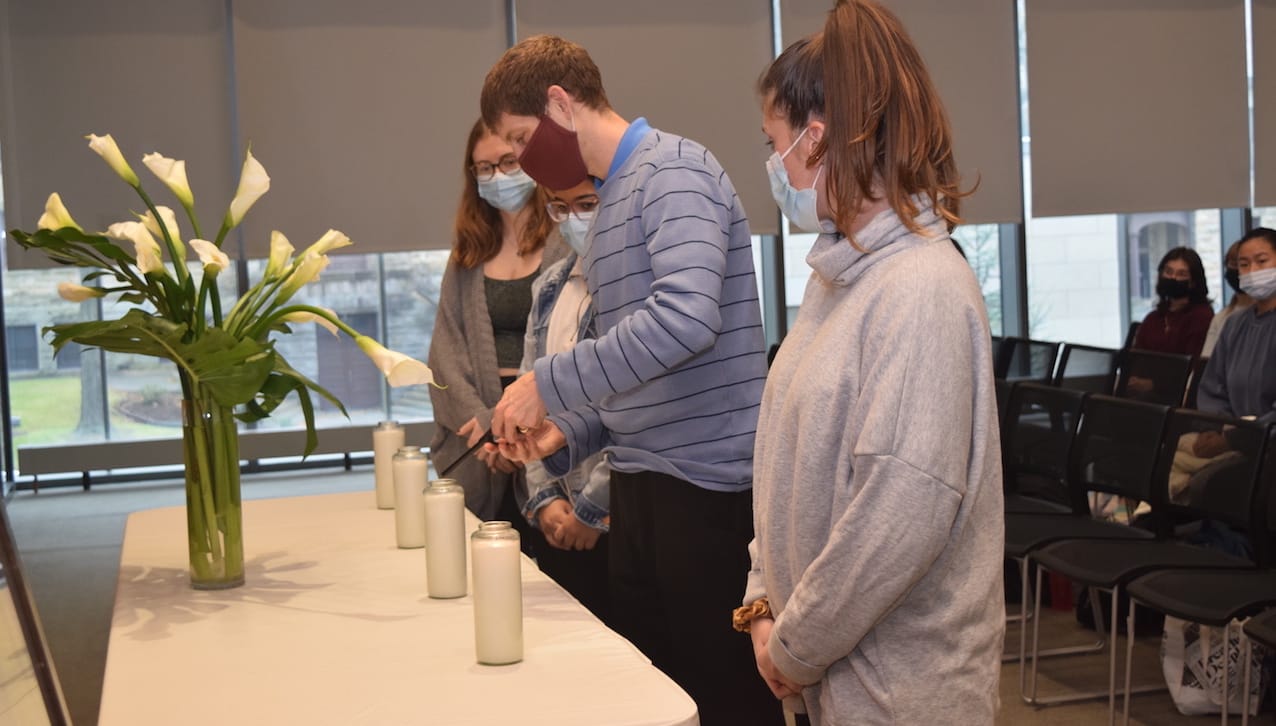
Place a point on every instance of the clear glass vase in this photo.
(214, 517)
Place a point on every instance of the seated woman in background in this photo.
(1240, 301)
(1183, 312)
(1240, 379)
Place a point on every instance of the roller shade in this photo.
(1264, 20)
(689, 67)
(969, 49)
(152, 73)
(1137, 105)
(359, 112)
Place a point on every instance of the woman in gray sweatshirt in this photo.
(876, 592)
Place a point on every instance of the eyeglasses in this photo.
(484, 171)
(559, 210)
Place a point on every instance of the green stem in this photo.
(182, 273)
(200, 430)
(265, 322)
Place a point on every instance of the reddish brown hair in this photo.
(883, 118)
(479, 228)
(517, 83)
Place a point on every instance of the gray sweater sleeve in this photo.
(454, 345)
(913, 426)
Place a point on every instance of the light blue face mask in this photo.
(1259, 284)
(507, 192)
(576, 231)
(799, 205)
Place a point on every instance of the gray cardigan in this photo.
(463, 358)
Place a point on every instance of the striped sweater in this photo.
(673, 382)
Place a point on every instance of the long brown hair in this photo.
(883, 118)
(478, 228)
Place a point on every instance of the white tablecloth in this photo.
(334, 627)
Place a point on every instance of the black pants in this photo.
(679, 561)
(583, 573)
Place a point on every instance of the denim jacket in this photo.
(587, 487)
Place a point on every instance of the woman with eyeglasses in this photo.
(502, 237)
(571, 512)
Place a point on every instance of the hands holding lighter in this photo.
(519, 425)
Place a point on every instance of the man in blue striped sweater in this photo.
(670, 388)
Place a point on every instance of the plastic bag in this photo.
(1196, 681)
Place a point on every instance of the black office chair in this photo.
(1130, 334)
(1215, 596)
(1222, 492)
(1194, 381)
(1154, 377)
(1114, 451)
(1023, 359)
(1260, 629)
(1087, 368)
(1040, 424)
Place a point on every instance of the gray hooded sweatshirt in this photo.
(877, 486)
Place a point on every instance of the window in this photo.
(23, 353)
(1265, 217)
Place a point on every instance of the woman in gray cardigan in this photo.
(502, 236)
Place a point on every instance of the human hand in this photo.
(519, 409)
(550, 518)
(531, 446)
(780, 685)
(576, 535)
(471, 432)
(1210, 444)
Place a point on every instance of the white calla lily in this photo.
(213, 259)
(146, 249)
(106, 148)
(169, 220)
(280, 252)
(331, 240)
(55, 216)
(305, 273)
(305, 316)
(399, 369)
(173, 173)
(253, 182)
(72, 292)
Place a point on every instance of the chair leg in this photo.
(1129, 659)
(1112, 657)
(1227, 662)
(1247, 653)
(1036, 634)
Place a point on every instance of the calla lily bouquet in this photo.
(228, 365)
(230, 357)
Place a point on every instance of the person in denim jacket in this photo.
(571, 512)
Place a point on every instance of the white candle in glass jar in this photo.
(498, 594)
(409, 499)
(387, 438)
(445, 539)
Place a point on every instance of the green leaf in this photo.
(233, 370)
(136, 332)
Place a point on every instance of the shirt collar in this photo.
(628, 142)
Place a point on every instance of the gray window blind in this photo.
(1137, 105)
(969, 49)
(1264, 102)
(359, 112)
(689, 67)
(152, 73)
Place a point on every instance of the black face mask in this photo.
(1233, 279)
(1172, 289)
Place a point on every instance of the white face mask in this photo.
(1259, 284)
(507, 192)
(576, 231)
(799, 205)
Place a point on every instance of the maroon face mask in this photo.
(552, 157)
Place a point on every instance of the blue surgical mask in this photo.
(507, 192)
(576, 231)
(799, 205)
(1259, 284)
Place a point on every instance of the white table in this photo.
(334, 627)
